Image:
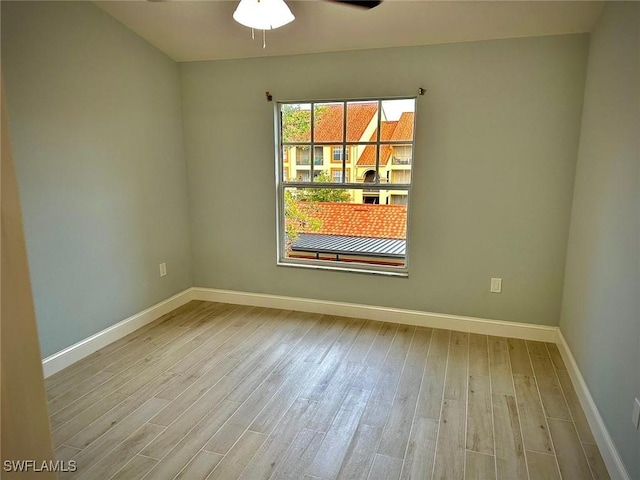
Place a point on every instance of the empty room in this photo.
(267, 239)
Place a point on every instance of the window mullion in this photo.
(344, 141)
(312, 147)
(376, 177)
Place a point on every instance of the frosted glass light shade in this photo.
(263, 14)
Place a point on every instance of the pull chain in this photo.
(264, 37)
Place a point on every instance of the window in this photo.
(336, 156)
(401, 176)
(302, 155)
(402, 154)
(336, 175)
(350, 218)
(304, 176)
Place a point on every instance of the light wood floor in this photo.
(221, 391)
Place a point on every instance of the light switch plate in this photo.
(163, 269)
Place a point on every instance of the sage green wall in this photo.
(601, 308)
(496, 142)
(95, 123)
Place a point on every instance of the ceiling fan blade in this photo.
(358, 3)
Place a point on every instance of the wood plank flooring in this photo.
(222, 391)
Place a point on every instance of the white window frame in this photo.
(343, 157)
(281, 183)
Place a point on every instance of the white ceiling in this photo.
(205, 30)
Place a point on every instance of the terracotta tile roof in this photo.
(329, 127)
(359, 220)
(368, 156)
(404, 130)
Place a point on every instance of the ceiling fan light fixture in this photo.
(263, 14)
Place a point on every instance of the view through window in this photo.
(348, 205)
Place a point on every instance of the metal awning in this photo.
(344, 245)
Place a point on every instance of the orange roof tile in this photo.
(368, 156)
(329, 126)
(359, 220)
(404, 130)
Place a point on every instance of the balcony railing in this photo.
(306, 161)
(401, 161)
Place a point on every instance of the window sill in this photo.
(402, 273)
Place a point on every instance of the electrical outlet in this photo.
(163, 269)
(636, 413)
(496, 285)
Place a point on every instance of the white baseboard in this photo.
(501, 328)
(78, 351)
(608, 450)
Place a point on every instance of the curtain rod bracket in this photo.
(269, 96)
(421, 91)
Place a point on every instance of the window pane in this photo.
(338, 153)
(325, 224)
(301, 154)
(362, 121)
(321, 176)
(391, 159)
(337, 175)
(328, 122)
(398, 197)
(296, 122)
(398, 170)
(393, 197)
(302, 176)
(330, 175)
(365, 159)
(400, 113)
(399, 175)
(401, 154)
(318, 156)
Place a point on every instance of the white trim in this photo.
(502, 328)
(607, 447)
(83, 348)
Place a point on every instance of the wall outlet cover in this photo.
(163, 269)
(496, 285)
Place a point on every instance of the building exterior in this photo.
(362, 120)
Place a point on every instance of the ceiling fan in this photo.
(271, 14)
(356, 3)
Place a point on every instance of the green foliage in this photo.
(335, 195)
(297, 219)
(296, 122)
